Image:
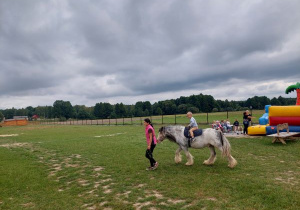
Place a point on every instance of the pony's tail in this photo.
(226, 148)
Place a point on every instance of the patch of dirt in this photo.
(8, 135)
(139, 206)
(109, 135)
(99, 168)
(28, 205)
(83, 182)
(14, 145)
(288, 178)
(211, 199)
(175, 201)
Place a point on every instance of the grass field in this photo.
(103, 167)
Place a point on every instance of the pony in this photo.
(210, 138)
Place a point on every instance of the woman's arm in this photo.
(150, 137)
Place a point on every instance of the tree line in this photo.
(195, 103)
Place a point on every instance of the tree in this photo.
(98, 110)
(169, 107)
(159, 111)
(9, 113)
(147, 106)
(30, 111)
(120, 110)
(83, 113)
(63, 109)
(107, 110)
(40, 111)
(296, 87)
(138, 109)
(215, 110)
(21, 112)
(1, 116)
(193, 109)
(182, 109)
(282, 100)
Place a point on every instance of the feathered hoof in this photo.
(207, 162)
(189, 164)
(232, 164)
(177, 159)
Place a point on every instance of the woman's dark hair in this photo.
(147, 120)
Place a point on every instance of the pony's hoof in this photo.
(206, 162)
(189, 164)
(232, 165)
(177, 160)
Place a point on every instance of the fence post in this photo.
(207, 118)
(175, 119)
(131, 120)
(116, 121)
(123, 120)
(108, 121)
(141, 120)
(162, 119)
(227, 113)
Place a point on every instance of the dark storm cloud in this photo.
(104, 49)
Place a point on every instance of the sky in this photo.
(91, 51)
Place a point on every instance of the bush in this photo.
(62, 119)
(215, 110)
(193, 109)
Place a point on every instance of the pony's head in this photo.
(161, 134)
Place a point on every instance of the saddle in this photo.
(197, 132)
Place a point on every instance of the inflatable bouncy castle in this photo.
(275, 115)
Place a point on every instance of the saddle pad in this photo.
(197, 132)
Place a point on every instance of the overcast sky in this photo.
(90, 51)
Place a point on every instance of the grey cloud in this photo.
(145, 47)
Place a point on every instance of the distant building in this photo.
(16, 121)
(20, 117)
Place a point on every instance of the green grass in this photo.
(67, 167)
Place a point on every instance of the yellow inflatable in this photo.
(284, 111)
(257, 130)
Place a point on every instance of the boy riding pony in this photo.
(193, 124)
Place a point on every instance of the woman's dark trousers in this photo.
(149, 155)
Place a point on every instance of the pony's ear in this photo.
(161, 129)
